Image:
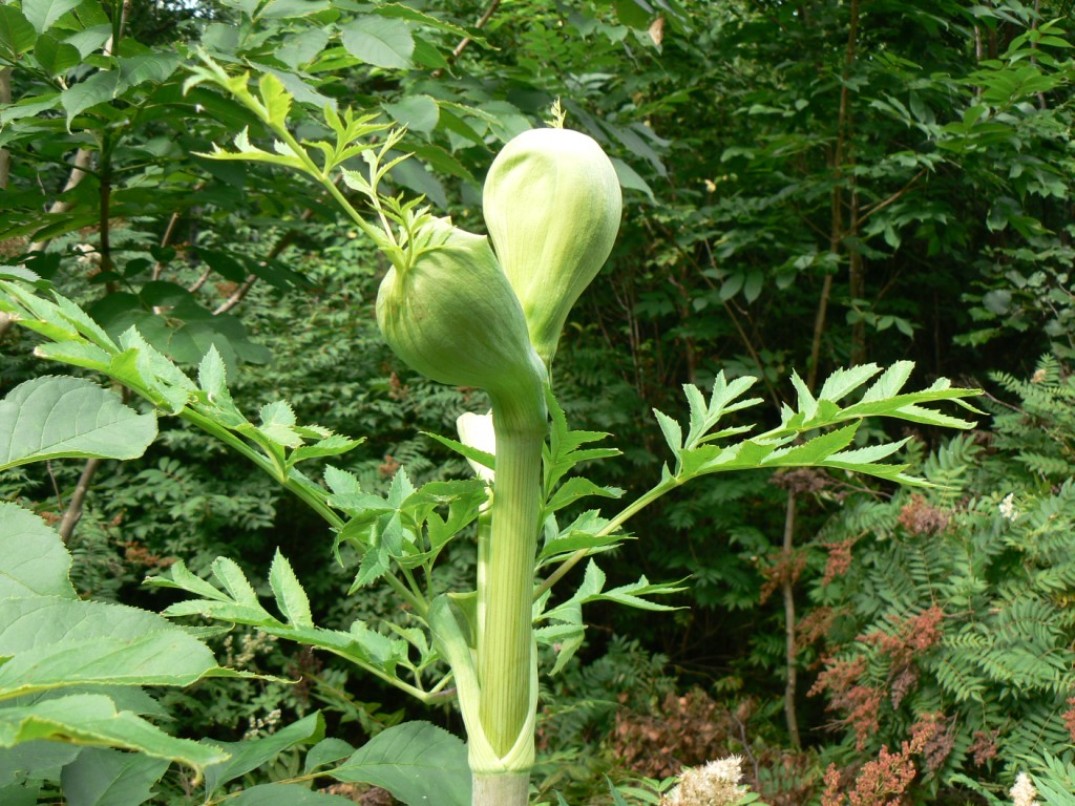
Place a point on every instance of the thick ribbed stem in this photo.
(508, 789)
(505, 645)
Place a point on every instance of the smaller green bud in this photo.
(452, 316)
(552, 204)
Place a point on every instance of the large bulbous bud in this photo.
(452, 316)
(552, 204)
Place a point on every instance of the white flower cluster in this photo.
(1007, 507)
(715, 784)
(262, 726)
(1023, 793)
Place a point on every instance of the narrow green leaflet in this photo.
(53, 417)
(417, 762)
(33, 560)
(92, 719)
(816, 433)
(483, 458)
(376, 653)
(290, 596)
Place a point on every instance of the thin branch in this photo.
(73, 514)
(79, 171)
(787, 589)
(158, 267)
(237, 295)
(282, 243)
(466, 40)
(881, 205)
(5, 100)
(197, 284)
(837, 230)
(84, 156)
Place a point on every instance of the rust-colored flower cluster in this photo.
(919, 517)
(886, 780)
(860, 703)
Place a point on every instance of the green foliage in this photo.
(73, 669)
(911, 180)
(951, 609)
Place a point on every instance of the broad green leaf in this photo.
(103, 777)
(55, 57)
(327, 751)
(99, 88)
(575, 541)
(302, 48)
(379, 41)
(33, 560)
(43, 13)
(92, 719)
(417, 112)
(249, 755)
(416, 761)
(155, 67)
(284, 9)
(286, 794)
(630, 179)
(400, 11)
(16, 33)
(290, 596)
(52, 418)
(38, 760)
(90, 39)
(301, 90)
(54, 642)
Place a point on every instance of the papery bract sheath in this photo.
(452, 316)
(552, 204)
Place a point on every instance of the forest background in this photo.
(807, 186)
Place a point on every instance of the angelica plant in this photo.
(485, 312)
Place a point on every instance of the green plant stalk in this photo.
(505, 641)
(485, 537)
(510, 789)
(507, 564)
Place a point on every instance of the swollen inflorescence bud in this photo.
(552, 204)
(451, 315)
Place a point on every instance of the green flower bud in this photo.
(451, 315)
(552, 205)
